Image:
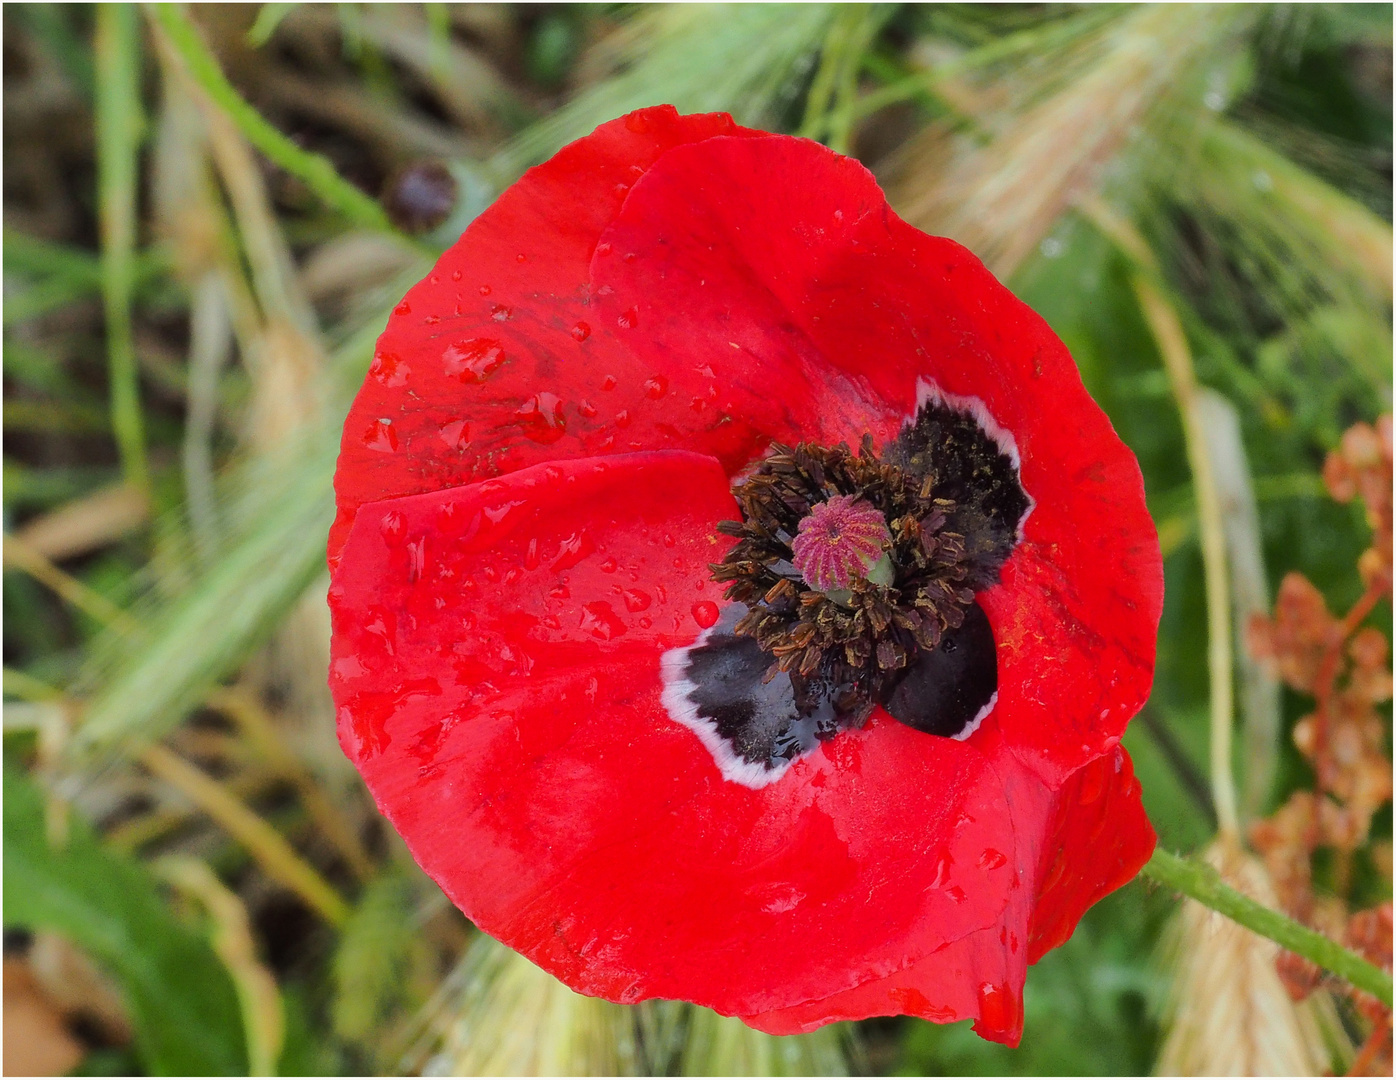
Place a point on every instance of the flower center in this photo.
(852, 584)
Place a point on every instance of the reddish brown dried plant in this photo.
(1344, 667)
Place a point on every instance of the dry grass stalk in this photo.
(1001, 197)
(1229, 1013)
(499, 1015)
(85, 524)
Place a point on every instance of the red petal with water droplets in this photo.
(502, 320)
(820, 283)
(1095, 839)
(538, 779)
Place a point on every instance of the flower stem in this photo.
(1203, 884)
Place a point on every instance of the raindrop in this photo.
(657, 387)
(403, 308)
(485, 290)
(392, 525)
(628, 319)
(609, 566)
(531, 555)
(991, 859)
(635, 599)
(389, 369)
(455, 275)
(603, 249)
(416, 559)
(600, 620)
(473, 360)
(456, 434)
(623, 418)
(501, 313)
(705, 613)
(995, 1007)
(608, 383)
(542, 419)
(586, 409)
(581, 331)
(571, 551)
(380, 436)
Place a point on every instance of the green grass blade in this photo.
(181, 998)
(746, 59)
(314, 170)
(119, 126)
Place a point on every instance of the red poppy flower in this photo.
(670, 689)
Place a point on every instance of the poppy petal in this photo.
(819, 283)
(491, 362)
(503, 703)
(1097, 841)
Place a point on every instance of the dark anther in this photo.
(860, 571)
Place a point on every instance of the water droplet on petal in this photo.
(581, 331)
(623, 418)
(628, 319)
(600, 620)
(609, 566)
(416, 559)
(501, 313)
(997, 1010)
(403, 308)
(485, 290)
(586, 409)
(940, 876)
(603, 249)
(455, 275)
(473, 360)
(531, 559)
(456, 434)
(608, 383)
(705, 613)
(392, 526)
(542, 419)
(380, 436)
(389, 369)
(991, 859)
(571, 551)
(635, 599)
(1092, 783)
(657, 387)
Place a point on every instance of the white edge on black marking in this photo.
(973, 726)
(928, 392)
(673, 670)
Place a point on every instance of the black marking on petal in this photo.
(754, 726)
(950, 689)
(956, 443)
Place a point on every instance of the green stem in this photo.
(315, 171)
(118, 52)
(1203, 884)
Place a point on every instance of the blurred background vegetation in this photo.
(197, 260)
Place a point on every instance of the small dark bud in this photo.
(420, 196)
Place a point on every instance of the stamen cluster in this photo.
(867, 633)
